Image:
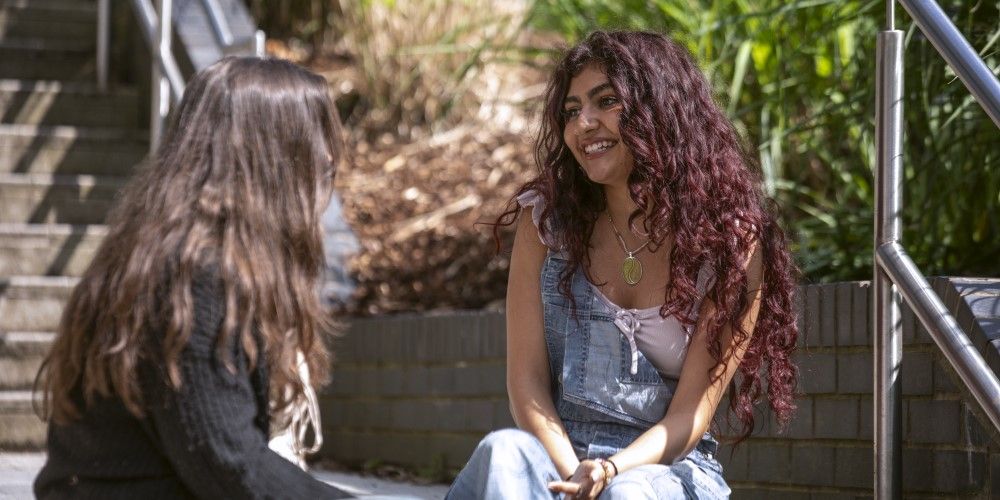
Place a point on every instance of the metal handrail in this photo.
(955, 49)
(218, 20)
(933, 314)
(167, 79)
(150, 17)
(103, 40)
(224, 35)
(895, 273)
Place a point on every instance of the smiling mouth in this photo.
(598, 147)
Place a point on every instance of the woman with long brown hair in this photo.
(184, 335)
(648, 275)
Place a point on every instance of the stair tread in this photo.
(60, 86)
(29, 229)
(15, 395)
(27, 337)
(54, 5)
(74, 132)
(44, 179)
(29, 281)
(14, 401)
(45, 44)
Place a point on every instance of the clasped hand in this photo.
(587, 482)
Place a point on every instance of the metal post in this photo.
(888, 205)
(260, 43)
(103, 42)
(160, 84)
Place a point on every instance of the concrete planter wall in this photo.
(422, 390)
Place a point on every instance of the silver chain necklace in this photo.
(631, 266)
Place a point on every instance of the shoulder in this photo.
(545, 223)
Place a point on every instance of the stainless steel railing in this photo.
(224, 35)
(896, 276)
(157, 26)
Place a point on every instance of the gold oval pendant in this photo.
(631, 270)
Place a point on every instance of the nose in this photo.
(586, 121)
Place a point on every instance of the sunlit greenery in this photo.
(797, 77)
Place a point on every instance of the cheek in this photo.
(613, 120)
(567, 137)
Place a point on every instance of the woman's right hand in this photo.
(587, 482)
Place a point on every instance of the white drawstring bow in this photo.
(627, 321)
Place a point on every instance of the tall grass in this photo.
(422, 66)
(427, 64)
(798, 78)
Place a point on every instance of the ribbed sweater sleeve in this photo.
(207, 427)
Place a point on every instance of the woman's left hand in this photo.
(586, 483)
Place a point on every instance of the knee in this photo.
(638, 483)
(509, 442)
(628, 490)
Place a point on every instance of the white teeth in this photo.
(597, 147)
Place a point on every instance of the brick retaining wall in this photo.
(422, 391)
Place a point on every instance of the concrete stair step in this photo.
(20, 428)
(48, 20)
(41, 59)
(21, 355)
(70, 150)
(33, 102)
(63, 199)
(48, 249)
(33, 303)
(70, 7)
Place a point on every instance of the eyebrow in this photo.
(590, 93)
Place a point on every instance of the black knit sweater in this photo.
(207, 440)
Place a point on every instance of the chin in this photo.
(601, 176)
(606, 172)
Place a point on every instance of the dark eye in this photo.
(608, 101)
(570, 113)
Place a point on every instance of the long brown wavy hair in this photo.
(694, 181)
(236, 189)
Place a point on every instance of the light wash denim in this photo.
(603, 406)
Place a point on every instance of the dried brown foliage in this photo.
(414, 207)
(439, 117)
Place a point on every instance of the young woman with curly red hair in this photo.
(648, 276)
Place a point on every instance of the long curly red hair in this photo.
(694, 181)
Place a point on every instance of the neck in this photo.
(620, 206)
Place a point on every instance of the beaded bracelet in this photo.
(604, 462)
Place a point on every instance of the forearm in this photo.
(664, 443)
(534, 412)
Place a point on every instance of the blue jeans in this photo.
(512, 463)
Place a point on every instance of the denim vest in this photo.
(603, 406)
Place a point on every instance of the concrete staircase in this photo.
(65, 150)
